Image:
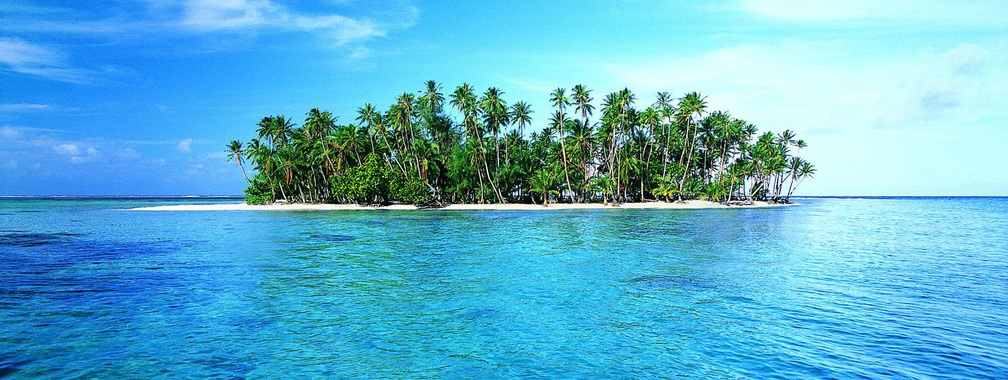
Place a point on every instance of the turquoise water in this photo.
(837, 288)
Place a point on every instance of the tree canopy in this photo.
(415, 152)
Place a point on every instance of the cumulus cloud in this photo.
(75, 153)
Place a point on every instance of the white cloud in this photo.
(9, 133)
(217, 155)
(129, 154)
(212, 16)
(816, 88)
(811, 10)
(16, 52)
(184, 146)
(75, 152)
(24, 107)
(67, 149)
(926, 14)
(968, 59)
(22, 57)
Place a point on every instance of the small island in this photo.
(416, 155)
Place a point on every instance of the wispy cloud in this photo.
(811, 87)
(963, 12)
(23, 107)
(19, 56)
(211, 15)
(222, 16)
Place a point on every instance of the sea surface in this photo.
(829, 288)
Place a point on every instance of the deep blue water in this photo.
(831, 288)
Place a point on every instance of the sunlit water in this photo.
(841, 288)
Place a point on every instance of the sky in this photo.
(139, 97)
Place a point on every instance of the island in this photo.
(674, 152)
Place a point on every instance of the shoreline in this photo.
(688, 205)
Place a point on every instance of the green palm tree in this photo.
(521, 114)
(582, 99)
(690, 105)
(366, 117)
(544, 183)
(720, 157)
(235, 153)
(432, 100)
(495, 115)
(604, 185)
(666, 188)
(560, 100)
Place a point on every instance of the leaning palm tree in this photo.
(235, 152)
(803, 169)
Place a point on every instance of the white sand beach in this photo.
(692, 204)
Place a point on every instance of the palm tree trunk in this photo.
(563, 152)
(244, 174)
(689, 160)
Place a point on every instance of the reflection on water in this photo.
(832, 288)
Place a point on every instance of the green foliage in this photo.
(374, 182)
(365, 184)
(621, 151)
(259, 192)
(409, 190)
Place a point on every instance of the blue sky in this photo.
(139, 97)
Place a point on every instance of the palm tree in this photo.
(603, 184)
(432, 99)
(235, 152)
(465, 100)
(582, 99)
(543, 182)
(560, 100)
(666, 188)
(366, 116)
(721, 157)
(494, 115)
(663, 105)
(521, 114)
(691, 104)
(799, 170)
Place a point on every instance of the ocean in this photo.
(829, 288)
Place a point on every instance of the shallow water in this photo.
(843, 288)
